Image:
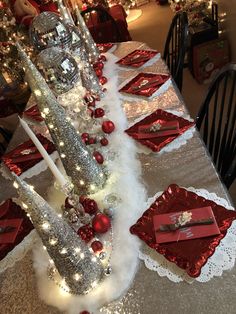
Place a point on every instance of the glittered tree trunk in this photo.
(86, 175)
(80, 269)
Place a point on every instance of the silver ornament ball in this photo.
(102, 255)
(109, 212)
(108, 271)
(48, 30)
(59, 68)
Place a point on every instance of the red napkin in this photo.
(166, 119)
(10, 237)
(190, 255)
(26, 155)
(11, 211)
(33, 113)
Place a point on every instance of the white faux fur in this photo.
(124, 181)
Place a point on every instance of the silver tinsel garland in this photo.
(86, 175)
(80, 269)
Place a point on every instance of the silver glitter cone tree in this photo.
(89, 43)
(85, 173)
(65, 12)
(89, 78)
(80, 269)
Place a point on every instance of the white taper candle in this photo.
(56, 172)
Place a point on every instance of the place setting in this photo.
(189, 234)
(145, 86)
(161, 131)
(139, 58)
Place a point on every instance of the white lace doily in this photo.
(33, 171)
(222, 259)
(176, 143)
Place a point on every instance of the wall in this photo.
(228, 7)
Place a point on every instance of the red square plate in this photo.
(104, 47)
(157, 143)
(144, 84)
(26, 155)
(10, 210)
(189, 255)
(137, 58)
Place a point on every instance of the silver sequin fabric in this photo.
(190, 165)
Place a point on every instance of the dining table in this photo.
(189, 165)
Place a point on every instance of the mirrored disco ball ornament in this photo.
(77, 41)
(59, 68)
(48, 30)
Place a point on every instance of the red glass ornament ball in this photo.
(104, 141)
(101, 223)
(92, 140)
(103, 80)
(96, 246)
(98, 72)
(90, 206)
(98, 65)
(86, 233)
(98, 156)
(84, 312)
(99, 113)
(85, 137)
(102, 58)
(108, 126)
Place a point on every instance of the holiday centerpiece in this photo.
(97, 173)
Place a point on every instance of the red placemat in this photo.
(157, 143)
(137, 58)
(10, 210)
(190, 255)
(33, 113)
(26, 155)
(144, 84)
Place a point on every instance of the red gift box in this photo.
(186, 233)
(156, 143)
(26, 155)
(189, 255)
(8, 211)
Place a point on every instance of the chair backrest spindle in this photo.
(217, 123)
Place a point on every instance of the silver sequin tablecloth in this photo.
(149, 294)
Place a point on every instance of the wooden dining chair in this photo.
(216, 122)
(5, 137)
(175, 47)
(102, 25)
